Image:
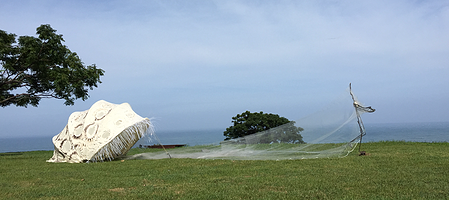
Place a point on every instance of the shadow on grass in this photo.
(11, 154)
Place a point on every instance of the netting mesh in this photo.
(333, 131)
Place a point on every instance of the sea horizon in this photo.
(375, 132)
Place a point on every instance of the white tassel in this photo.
(123, 142)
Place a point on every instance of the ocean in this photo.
(415, 132)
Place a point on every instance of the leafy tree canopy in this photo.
(42, 67)
(249, 123)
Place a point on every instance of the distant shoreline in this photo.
(409, 132)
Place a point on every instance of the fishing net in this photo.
(333, 131)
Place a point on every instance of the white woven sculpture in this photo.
(104, 132)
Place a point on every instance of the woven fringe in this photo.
(124, 141)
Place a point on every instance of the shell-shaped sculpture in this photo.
(104, 132)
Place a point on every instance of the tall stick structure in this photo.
(358, 110)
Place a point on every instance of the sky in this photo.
(193, 65)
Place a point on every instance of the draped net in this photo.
(333, 131)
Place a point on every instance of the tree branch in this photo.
(32, 96)
(13, 97)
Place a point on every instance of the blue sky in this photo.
(195, 64)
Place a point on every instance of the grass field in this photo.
(392, 170)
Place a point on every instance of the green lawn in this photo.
(392, 170)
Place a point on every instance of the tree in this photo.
(42, 67)
(249, 123)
